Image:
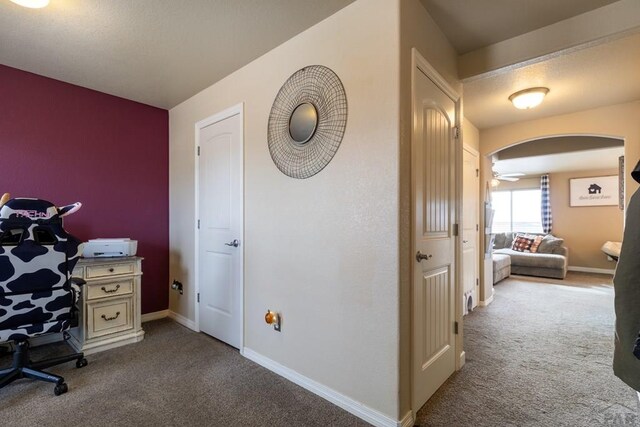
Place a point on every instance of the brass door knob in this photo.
(271, 317)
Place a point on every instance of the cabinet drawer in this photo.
(109, 317)
(111, 289)
(107, 270)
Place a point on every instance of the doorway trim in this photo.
(236, 110)
(420, 64)
(479, 253)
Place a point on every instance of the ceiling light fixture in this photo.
(528, 98)
(32, 4)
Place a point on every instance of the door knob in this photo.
(235, 243)
(420, 257)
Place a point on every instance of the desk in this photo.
(110, 304)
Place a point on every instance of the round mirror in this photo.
(303, 123)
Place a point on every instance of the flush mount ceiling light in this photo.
(32, 4)
(528, 98)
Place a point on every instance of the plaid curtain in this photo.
(547, 218)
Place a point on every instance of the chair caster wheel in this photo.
(81, 363)
(60, 389)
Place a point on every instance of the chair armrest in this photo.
(77, 281)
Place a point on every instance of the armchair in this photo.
(37, 293)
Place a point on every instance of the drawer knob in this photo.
(111, 318)
(110, 291)
(111, 270)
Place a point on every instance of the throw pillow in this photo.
(522, 243)
(536, 244)
(549, 244)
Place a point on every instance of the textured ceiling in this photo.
(606, 158)
(158, 52)
(605, 74)
(472, 24)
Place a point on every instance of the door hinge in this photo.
(198, 224)
(198, 150)
(455, 327)
(477, 281)
(199, 298)
(477, 227)
(456, 132)
(455, 229)
(477, 173)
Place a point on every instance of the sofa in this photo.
(551, 260)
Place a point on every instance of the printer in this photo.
(109, 248)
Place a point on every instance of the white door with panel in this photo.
(470, 225)
(433, 295)
(220, 230)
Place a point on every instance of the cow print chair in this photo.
(37, 293)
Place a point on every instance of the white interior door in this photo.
(220, 230)
(433, 296)
(470, 224)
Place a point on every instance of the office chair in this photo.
(37, 293)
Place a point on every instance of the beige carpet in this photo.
(174, 377)
(539, 355)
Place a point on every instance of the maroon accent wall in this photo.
(65, 143)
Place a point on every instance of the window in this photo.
(517, 210)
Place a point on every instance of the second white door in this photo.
(220, 230)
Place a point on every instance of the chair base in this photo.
(22, 367)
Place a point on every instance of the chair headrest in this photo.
(35, 209)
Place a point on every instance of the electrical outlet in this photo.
(177, 286)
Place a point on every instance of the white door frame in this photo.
(420, 64)
(480, 255)
(225, 114)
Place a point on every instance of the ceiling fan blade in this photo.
(507, 178)
(512, 174)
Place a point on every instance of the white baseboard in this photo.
(148, 317)
(188, 323)
(348, 404)
(463, 359)
(591, 270)
(486, 302)
(407, 420)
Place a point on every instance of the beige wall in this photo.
(470, 135)
(418, 30)
(584, 229)
(576, 225)
(322, 251)
(620, 121)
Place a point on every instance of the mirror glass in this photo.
(303, 123)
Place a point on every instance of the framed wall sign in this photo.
(596, 191)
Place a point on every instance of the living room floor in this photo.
(539, 355)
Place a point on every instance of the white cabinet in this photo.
(109, 305)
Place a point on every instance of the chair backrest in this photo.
(37, 257)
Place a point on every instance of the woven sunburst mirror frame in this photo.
(303, 151)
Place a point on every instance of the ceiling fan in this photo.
(511, 177)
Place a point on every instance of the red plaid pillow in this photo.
(522, 243)
(536, 243)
